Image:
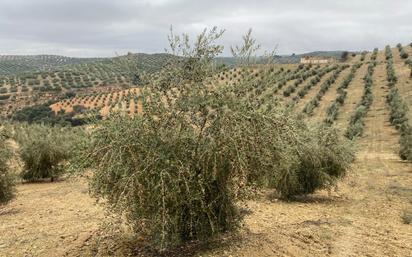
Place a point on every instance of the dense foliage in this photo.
(177, 170)
(345, 55)
(4, 97)
(363, 56)
(43, 150)
(398, 109)
(399, 118)
(409, 62)
(402, 53)
(374, 54)
(43, 114)
(6, 176)
(390, 70)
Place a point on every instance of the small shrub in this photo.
(403, 54)
(4, 97)
(310, 106)
(405, 151)
(407, 217)
(374, 54)
(388, 52)
(43, 151)
(344, 57)
(363, 56)
(355, 129)
(325, 160)
(43, 114)
(332, 112)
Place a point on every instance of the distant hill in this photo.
(17, 64)
(28, 80)
(283, 59)
(52, 73)
(296, 58)
(21, 64)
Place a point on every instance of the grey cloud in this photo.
(102, 28)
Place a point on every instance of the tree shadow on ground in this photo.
(102, 243)
(310, 198)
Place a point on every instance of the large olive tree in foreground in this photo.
(178, 170)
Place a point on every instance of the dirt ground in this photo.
(362, 217)
(47, 218)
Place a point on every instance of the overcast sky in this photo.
(87, 28)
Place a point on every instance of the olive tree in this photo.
(43, 150)
(6, 176)
(177, 171)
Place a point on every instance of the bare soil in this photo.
(47, 218)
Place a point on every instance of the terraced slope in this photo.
(126, 101)
(49, 77)
(17, 64)
(26, 64)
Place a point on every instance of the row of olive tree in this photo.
(356, 123)
(402, 53)
(399, 118)
(314, 102)
(398, 108)
(333, 108)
